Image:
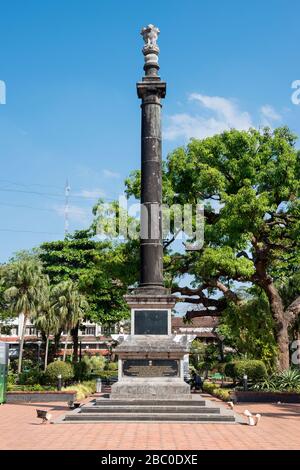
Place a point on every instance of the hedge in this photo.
(253, 368)
(30, 388)
(107, 374)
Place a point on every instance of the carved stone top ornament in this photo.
(150, 34)
(150, 50)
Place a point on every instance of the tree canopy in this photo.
(101, 271)
(249, 182)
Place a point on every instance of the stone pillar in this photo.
(151, 357)
(151, 90)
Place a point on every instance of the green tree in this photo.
(249, 181)
(48, 319)
(68, 305)
(24, 293)
(102, 271)
(248, 327)
(4, 312)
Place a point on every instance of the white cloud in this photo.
(224, 114)
(93, 175)
(111, 174)
(268, 114)
(90, 193)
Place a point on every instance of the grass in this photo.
(83, 389)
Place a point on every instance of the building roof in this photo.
(33, 339)
(86, 352)
(198, 322)
(206, 334)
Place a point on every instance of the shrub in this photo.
(285, 381)
(254, 369)
(209, 387)
(215, 390)
(82, 370)
(83, 390)
(28, 364)
(13, 365)
(230, 371)
(221, 367)
(89, 366)
(90, 385)
(59, 368)
(31, 377)
(28, 388)
(11, 378)
(33, 388)
(112, 366)
(97, 364)
(288, 380)
(200, 366)
(266, 385)
(222, 393)
(106, 375)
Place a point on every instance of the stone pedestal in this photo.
(151, 358)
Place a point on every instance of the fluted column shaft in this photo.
(151, 273)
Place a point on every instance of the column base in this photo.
(151, 367)
(146, 389)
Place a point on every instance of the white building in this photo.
(93, 338)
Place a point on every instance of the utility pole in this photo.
(66, 211)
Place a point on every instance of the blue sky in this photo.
(70, 68)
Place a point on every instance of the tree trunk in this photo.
(46, 353)
(66, 346)
(281, 325)
(56, 342)
(74, 333)
(276, 306)
(22, 345)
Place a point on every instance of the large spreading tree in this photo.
(249, 182)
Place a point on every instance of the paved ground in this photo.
(20, 429)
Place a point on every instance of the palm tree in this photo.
(69, 305)
(47, 320)
(24, 281)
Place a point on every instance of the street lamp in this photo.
(245, 382)
(39, 343)
(59, 382)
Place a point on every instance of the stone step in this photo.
(187, 417)
(132, 408)
(150, 402)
